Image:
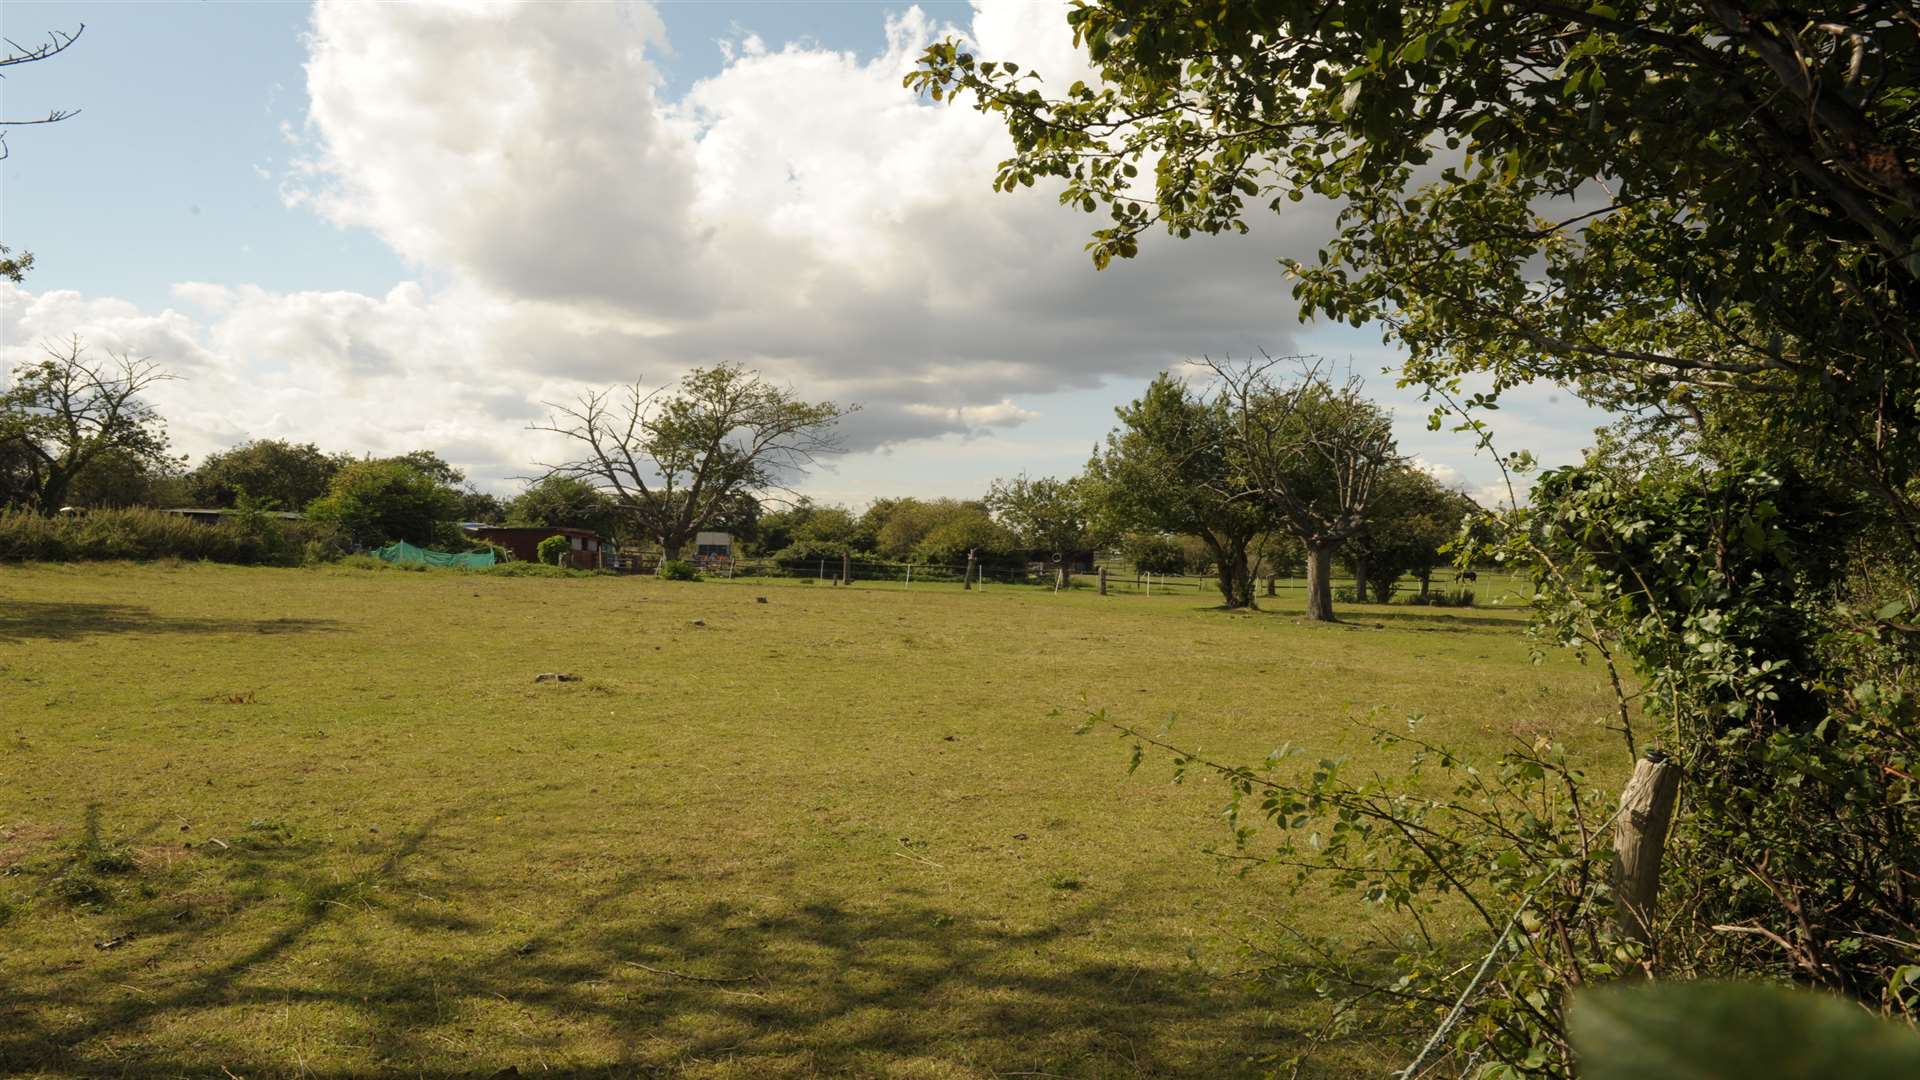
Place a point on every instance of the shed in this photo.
(523, 541)
(214, 515)
(712, 545)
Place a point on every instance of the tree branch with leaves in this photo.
(675, 459)
(61, 414)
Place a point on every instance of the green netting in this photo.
(402, 552)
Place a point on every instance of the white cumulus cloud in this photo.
(799, 211)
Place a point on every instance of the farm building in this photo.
(708, 546)
(584, 547)
(215, 515)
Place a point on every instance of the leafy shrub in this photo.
(830, 550)
(552, 550)
(533, 570)
(1442, 598)
(140, 534)
(1154, 553)
(679, 570)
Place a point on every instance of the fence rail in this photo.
(1121, 580)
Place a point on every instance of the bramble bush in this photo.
(679, 570)
(551, 550)
(248, 538)
(1763, 637)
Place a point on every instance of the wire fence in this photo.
(1480, 587)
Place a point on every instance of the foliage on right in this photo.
(1704, 217)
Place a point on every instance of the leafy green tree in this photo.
(1052, 517)
(1413, 517)
(432, 464)
(675, 459)
(380, 501)
(774, 529)
(1047, 515)
(60, 415)
(564, 502)
(1708, 214)
(290, 474)
(482, 506)
(1154, 553)
(14, 267)
(835, 527)
(899, 526)
(1173, 467)
(973, 530)
(121, 479)
(1704, 216)
(1312, 452)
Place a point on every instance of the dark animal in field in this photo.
(1466, 576)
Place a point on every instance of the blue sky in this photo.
(328, 223)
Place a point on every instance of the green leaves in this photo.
(1736, 1031)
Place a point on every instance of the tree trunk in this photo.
(1360, 578)
(670, 549)
(53, 491)
(1235, 575)
(1426, 580)
(1320, 581)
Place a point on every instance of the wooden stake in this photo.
(1103, 581)
(1639, 842)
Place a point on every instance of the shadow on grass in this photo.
(36, 620)
(1442, 620)
(649, 974)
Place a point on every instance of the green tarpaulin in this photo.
(403, 552)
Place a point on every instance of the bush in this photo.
(679, 570)
(254, 538)
(1442, 598)
(534, 570)
(801, 550)
(552, 550)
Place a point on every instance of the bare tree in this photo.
(675, 461)
(1312, 450)
(63, 413)
(58, 41)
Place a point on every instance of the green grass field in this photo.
(261, 822)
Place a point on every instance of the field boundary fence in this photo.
(1120, 579)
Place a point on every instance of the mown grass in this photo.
(323, 822)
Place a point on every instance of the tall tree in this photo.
(565, 502)
(379, 501)
(1050, 516)
(121, 479)
(900, 525)
(61, 414)
(1708, 213)
(1312, 451)
(1173, 467)
(289, 474)
(1412, 518)
(674, 459)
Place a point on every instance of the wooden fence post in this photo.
(967, 582)
(1103, 581)
(1639, 842)
(846, 568)
(1270, 591)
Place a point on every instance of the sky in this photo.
(382, 227)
